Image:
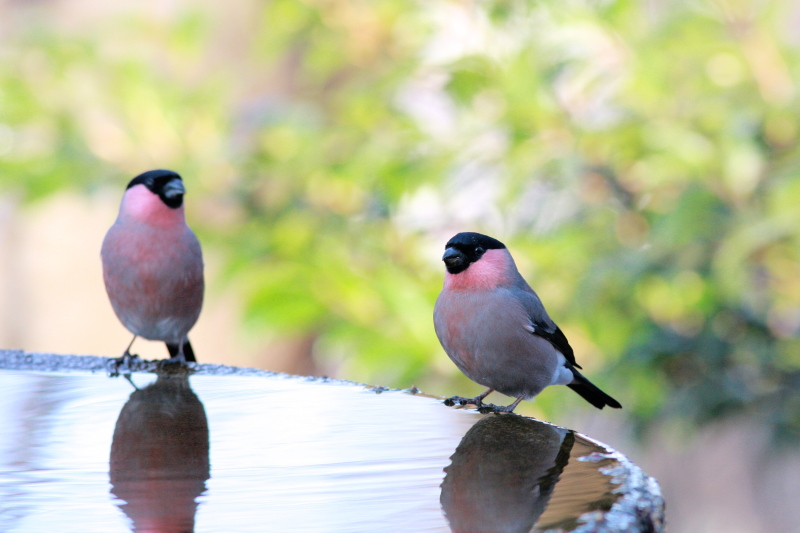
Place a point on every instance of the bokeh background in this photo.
(639, 157)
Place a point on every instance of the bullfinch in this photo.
(496, 330)
(153, 265)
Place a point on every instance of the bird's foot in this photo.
(460, 400)
(490, 408)
(451, 401)
(122, 365)
(175, 364)
(497, 409)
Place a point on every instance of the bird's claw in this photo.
(460, 400)
(170, 364)
(496, 409)
(123, 363)
(174, 366)
(488, 408)
(482, 408)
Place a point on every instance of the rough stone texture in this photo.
(640, 508)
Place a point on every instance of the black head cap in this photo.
(167, 184)
(466, 248)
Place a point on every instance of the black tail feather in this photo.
(591, 393)
(188, 353)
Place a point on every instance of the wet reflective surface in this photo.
(504, 473)
(159, 456)
(80, 451)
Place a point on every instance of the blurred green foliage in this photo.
(640, 159)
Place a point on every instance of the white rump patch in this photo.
(562, 375)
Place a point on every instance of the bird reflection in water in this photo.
(503, 473)
(159, 455)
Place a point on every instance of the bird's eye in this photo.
(479, 250)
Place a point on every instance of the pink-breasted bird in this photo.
(496, 330)
(153, 265)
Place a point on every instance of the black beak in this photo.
(453, 258)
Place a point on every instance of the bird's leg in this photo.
(124, 361)
(477, 400)
(179, 357)
(128, 349)
(489, 408)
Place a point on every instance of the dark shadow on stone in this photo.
(503, 473)
(159, 456)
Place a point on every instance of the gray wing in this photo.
(541, 323)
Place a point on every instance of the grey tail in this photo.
(590, 392)
(188, 353)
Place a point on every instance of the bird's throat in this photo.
(143, 206)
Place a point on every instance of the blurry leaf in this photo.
(640, 161)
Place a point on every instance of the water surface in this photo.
(83, 452)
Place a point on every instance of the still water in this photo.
(84, 452)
